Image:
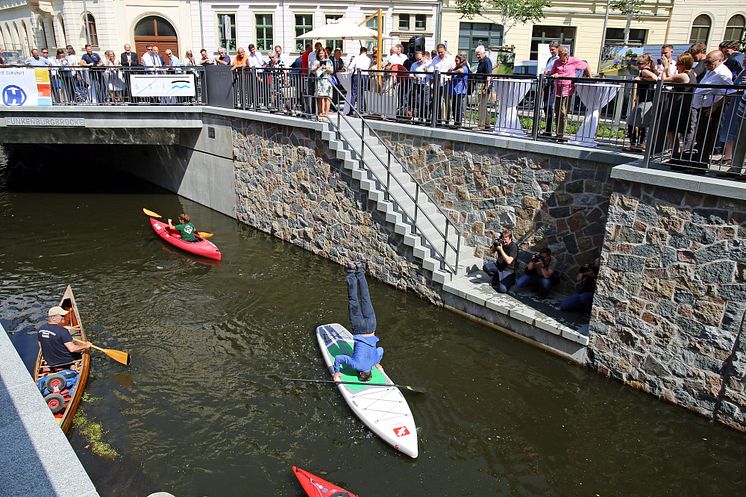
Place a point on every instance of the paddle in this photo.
(408, 388)
(117, 355)
(201, 234)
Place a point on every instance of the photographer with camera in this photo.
(502, 271)
(586, 286)
(541, 271)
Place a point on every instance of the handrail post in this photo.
(538, 102)
(388, 172)
(362, 139)
(435, 102)
(458, 252)
(445, 245)
(416, 206)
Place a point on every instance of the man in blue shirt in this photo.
(57, 346)
(365, 355)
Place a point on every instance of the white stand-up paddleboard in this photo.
(383, 409)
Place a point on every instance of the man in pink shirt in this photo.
(565, 67)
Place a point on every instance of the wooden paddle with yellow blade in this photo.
(201, 234)
(120, 356)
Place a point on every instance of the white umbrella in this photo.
(341, 29)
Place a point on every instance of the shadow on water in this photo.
(202, 410)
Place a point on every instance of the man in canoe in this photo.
(365, 355)
(185, 228)
(57, 346)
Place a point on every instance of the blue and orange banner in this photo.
(25, 87)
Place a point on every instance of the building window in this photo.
(264, 32)
(545, 34)
(303, 24)
(335, 44)
(227, 31)
(420, 22)
(615, 36)
(735, 30)
(403, 22)
(90, 28)
(473, 34)
(372, 23)
(700, 29)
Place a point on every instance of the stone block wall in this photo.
(668, 312)
(547, 200)
(288, 184)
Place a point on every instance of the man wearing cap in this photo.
(57, 346)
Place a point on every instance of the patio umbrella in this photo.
(340, 29)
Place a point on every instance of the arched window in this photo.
(735, 29)
(91, 34)
(155, 30)
(700, 29)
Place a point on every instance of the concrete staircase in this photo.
(428, 240)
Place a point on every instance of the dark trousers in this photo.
(362, 315)
(705, 135)
(549, 105)
(359, 85)
(501, 280)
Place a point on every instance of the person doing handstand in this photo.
(185, 228)
(365, 355)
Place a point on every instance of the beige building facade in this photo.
(580, 24)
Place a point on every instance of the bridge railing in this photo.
(117, 85)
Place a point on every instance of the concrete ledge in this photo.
(635, 173)
(34, 453)
(477, 299)
(111, 117)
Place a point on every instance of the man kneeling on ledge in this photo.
(541, 272)
(502, 270)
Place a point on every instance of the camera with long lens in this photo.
(536, 258)
(498, 242)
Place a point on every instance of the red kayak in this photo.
(318, 487)
(203, 248)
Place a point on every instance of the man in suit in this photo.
(129, 60)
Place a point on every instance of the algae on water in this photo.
(94, 433)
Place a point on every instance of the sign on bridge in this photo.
(162, 85)
(24, 87)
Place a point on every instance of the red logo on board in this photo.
(401, 431)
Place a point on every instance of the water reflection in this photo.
(203, 409)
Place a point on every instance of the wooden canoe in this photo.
(74, 395)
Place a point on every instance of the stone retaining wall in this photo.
(287, 184)
(667, 316)
(546, 200)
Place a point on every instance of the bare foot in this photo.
(337, 377)
(379, 367)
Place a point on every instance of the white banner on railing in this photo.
(24, 87)
(162, 85)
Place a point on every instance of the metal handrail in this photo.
(418, 187)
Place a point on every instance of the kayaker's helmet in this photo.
(364, 375)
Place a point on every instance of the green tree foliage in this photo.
(511, 12)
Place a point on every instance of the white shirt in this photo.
(444, 64)
(397, 59)
(255, 60)
(361, 62)
(284, 59)
(706, 97)
(151, 60)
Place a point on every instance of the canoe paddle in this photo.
(408, 388)
(201, 234)
(117, 355)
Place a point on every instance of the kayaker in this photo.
(365, 355)
(57, 346)
(185, 227)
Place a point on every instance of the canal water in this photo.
(204, 409)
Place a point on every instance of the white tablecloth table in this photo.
(509, 93)
(595, 96)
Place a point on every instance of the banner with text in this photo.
(24, 87)
(162, 85)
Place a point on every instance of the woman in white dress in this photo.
(113, 77)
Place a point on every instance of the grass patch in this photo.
(94, 434)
